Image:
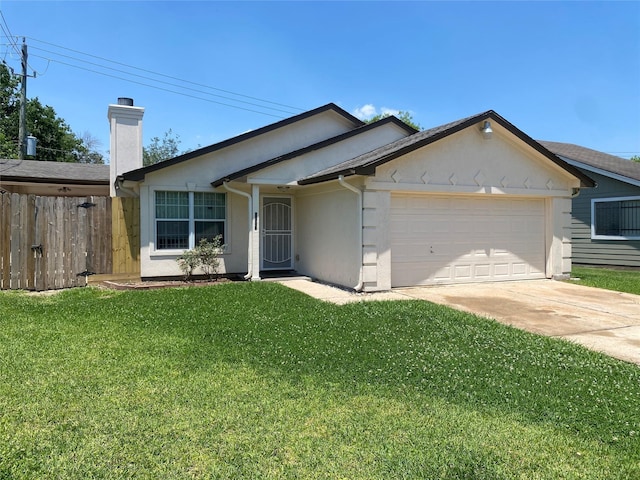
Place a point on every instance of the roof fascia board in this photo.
(369, 169)
(139, 174)
(585, 181)
(600, 171)
(316, 146)
(57, 181)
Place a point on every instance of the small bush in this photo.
(204, 255)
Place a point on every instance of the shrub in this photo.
(204, 255)
(208, 252)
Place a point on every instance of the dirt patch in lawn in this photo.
(158, 284)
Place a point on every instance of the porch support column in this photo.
(255, 233)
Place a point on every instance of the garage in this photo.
(456, 239)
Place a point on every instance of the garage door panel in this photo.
(449, 239)
(482, 271)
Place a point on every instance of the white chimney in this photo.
(125, 125)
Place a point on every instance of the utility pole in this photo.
(22, 131)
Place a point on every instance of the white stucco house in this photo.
(365, 206)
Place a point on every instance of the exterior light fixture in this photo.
(486, 130)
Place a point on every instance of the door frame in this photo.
(262, 231)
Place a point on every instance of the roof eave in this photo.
(57, 181)
(327, 178)
(369, 168)
(139, 174)
(604, 172)
(310, 148)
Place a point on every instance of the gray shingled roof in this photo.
(366, 164)
(593, 158)
(316, 146)
(53, 172)
(138, 174)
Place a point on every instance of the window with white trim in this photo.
(184, 218)
(615, 218)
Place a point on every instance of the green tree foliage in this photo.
(161, 149)
(406, 117)
(635, 158)
(9, 112)
(56, 141)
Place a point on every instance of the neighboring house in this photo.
(606, 219)
(365, 206)
(59, 179)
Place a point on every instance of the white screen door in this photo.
(276, 233)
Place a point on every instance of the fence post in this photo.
(5, 240)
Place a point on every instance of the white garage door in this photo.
(465, 239)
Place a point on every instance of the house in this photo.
(59, 179)
(606, 219)
(365, 206)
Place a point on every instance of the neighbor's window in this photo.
(184, 218)
(615, 218)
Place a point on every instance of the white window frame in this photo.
(594, 236)
(192, 222)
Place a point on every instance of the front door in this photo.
(277, 238)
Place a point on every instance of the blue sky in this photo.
(560, 71)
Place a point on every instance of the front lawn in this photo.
(619, 280)
(253, 380)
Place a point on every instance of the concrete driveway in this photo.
(602, 320)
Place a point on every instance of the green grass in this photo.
(620, 280)
(254, 380)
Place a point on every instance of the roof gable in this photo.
(139, 174)
(366, 164)
(605, 164)
(316, 146)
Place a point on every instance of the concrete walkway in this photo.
(602, 320)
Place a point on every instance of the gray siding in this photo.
(601, 252)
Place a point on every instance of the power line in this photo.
(160, 88)
(161, 75)
(153, 80)
(8, 34)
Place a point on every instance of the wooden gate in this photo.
(49, 243)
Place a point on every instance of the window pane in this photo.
(172, 205)
(209, 230)
(209, 206)
(607, 218)
(630, 218)
(172, 235)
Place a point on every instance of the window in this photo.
(184, 218)
(615, 218)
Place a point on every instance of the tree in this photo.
(91, 145)
(56, 141)
(160, 150)
(406, 117)
(635, 158)
(9, 111)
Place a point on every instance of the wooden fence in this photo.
(49, 243)
(125, 228)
